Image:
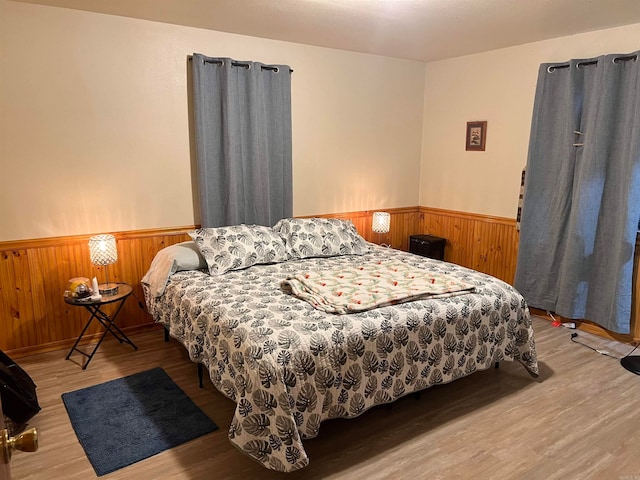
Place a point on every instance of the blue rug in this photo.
(132, 418)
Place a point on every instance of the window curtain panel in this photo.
(582, 191)
(242, 125)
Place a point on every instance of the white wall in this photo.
(94, 127)
(498, 87)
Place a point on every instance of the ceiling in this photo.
(423, 30)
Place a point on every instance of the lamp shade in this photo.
(103, 250)
(381, 222)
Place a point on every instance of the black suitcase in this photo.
(18, 393)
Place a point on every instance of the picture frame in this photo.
(476, 138)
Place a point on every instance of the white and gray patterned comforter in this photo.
(288, 366)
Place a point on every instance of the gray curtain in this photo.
(582, 191)
(242, 113)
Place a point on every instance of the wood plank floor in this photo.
(579, 420)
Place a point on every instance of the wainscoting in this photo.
(34, 273)
(484, 243)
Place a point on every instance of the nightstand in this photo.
(107, 321)
(427, 246)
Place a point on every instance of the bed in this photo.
(288, 365)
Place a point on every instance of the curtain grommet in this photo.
(626, 58)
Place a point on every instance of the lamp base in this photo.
(631, 363)
(108, 289)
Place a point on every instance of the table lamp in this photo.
(381, 222)
(103, 251)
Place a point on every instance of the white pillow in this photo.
(169, 260)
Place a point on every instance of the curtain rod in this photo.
(241, 64)
(624, 58)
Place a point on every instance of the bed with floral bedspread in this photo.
(289, 366)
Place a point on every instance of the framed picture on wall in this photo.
(476, 136)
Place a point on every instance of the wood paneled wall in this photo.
(484, 243)
(35, 273)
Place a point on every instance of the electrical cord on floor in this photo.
(555, 322)
(601, 352)
(634, 349)
(140, 304)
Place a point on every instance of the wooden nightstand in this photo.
(107, 321)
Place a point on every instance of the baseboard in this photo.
(86, 340)
(589, 327)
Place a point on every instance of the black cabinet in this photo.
(427, 246)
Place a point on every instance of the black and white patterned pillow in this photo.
(320, 237)
(238, 246)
